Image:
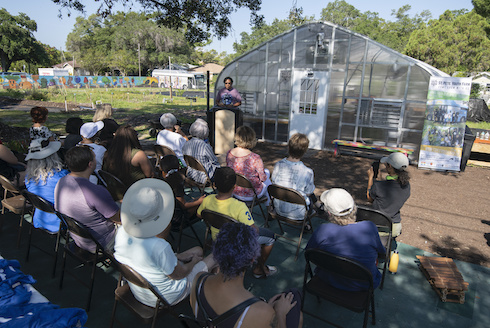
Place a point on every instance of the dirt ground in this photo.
(447, 214)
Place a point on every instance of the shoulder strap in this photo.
(223, 317)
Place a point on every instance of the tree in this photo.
(198, 18)
(454, 42)
(17, 41)
(341, 13)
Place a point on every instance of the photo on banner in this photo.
(445, 121)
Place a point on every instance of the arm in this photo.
(179, 131)
(188, 205)
(116, 218)
(143, 162)
(7, 155)
(282, 304)
(182, 270)
(370, 174)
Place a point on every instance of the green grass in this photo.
(479, 125)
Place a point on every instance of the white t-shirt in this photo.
(154, 259)
(99, 152)
(172, 140)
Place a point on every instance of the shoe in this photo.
(307, 228)
(272, 271)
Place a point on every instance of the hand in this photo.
(282, 304)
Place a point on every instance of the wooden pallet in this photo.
(444, 276)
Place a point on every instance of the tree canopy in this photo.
(17, 41)
(199, 19)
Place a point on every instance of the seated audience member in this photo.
(172, 135)
(291, 173)
(228, 96)
(10, 167)
(146, 211)
(89, 133)
(172, 175)
(235, 248)
(200, 150)
(73, 125)
(88, 203)
(388, 196)
(103, 112)
(44, 170)
(244, 161)
(126, 159)
(38, 130)
(224, 203)
(345, 237)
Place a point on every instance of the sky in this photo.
(53, 30)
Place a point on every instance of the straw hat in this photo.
(147, 208)
(42, 148)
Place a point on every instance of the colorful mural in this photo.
(28, 81)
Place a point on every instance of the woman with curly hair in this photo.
(44, 170)
(38, 130)
(235, 250)
(125, 159)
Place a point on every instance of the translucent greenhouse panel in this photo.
(354, 78)
(358, 45)
(418, 84)
(350, 112)
(347, 132)
(275, 50)
(382, 82)
(414, 116)
(341, 35)
(340, 52)
(411, 140)
(300, 58)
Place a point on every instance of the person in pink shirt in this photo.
(242, 160)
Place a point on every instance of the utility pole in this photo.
(139, 60)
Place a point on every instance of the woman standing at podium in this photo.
(228, 96)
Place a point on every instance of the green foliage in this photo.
(17, 41)
(476, 88)
(454, 42)
(198, 19)
(37, 95)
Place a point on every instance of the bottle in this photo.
(394, 262)
(487, 135)
(478, 135)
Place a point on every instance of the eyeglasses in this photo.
(227, 83)
(44, 144)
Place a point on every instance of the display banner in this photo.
(445, 121)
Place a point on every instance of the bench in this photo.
(192, 99)
(359, 145)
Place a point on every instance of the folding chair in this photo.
(83, 256)
(243, 182)
(15, 202)
(42, 204)
(196, 165)
(124, 295)
(215, 220)
(187, 221)
(114, 185)
(290, 196)
(384, 225)
(357, 301)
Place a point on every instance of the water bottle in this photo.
(487, 135)
(395, 258)
(478, 135)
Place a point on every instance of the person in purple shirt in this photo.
(89, 204)
(345, 237)
(228, 96)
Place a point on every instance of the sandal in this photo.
(272, 271)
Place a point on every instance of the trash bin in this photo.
(469, 138)
(223, 123)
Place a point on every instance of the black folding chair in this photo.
(187, 221)
(384, 225)
(114, 185)
(243, 182)
(84, 257)
(344, 268)
(41, 204)
(215, 220)
(123, 295)
(290, 196)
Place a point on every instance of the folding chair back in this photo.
(187, 221)
(342, 267)
(215, 220)
(124, 295)
(288, 195)
(114, 185)
(160, 152)
(83, 256)
(384, 225)
(15, 202)
(42, 204)
(196, 165)
(244, 182)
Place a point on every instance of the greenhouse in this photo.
(331, 83)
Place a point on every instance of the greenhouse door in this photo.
(308, 103)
